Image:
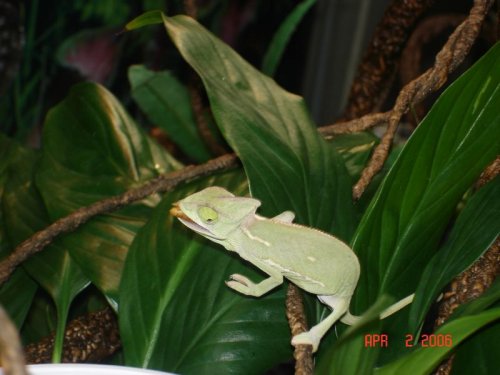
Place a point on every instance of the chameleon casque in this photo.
(313, 260)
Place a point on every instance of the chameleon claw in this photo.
(306, 338)
(240, 279)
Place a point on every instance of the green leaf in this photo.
(402, 228)
(94, 150)
(424, 359)
(477, 226)
(177, 314)
(288, 164)
(282, 36)
(167, 104)
(152, 17)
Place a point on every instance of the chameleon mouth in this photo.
(178, 213)
(187, 221)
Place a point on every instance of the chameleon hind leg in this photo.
(339, 305)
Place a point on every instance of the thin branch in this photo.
(426, 32)
(296, 320)
(69, 223)
(353, 126)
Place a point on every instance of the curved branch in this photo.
(297, 321)
(69, 223)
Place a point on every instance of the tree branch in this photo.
(69, 223)
(297, 321)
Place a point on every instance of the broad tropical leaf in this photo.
(93, 150)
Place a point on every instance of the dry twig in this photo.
(411, 63)
(296, 319)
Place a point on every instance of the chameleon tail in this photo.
(350, 319)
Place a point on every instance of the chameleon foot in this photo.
(241, 284)
(240, 279)
(306, 338)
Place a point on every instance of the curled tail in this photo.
(350, 319)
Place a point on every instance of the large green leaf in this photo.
(177, 314)
(424, 359)
(167, 104)
(406, 220)
(93, 150)
(474, 231)
(288, 164)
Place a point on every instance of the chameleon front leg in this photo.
(246, 286)
(315, 334)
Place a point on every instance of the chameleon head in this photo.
(214, 212)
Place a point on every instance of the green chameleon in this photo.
(313, 260)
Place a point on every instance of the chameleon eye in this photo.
(208, 215)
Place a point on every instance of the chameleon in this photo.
(315, 261)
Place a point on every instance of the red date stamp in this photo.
(432, 340)
(381, 340)
(376, 340)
